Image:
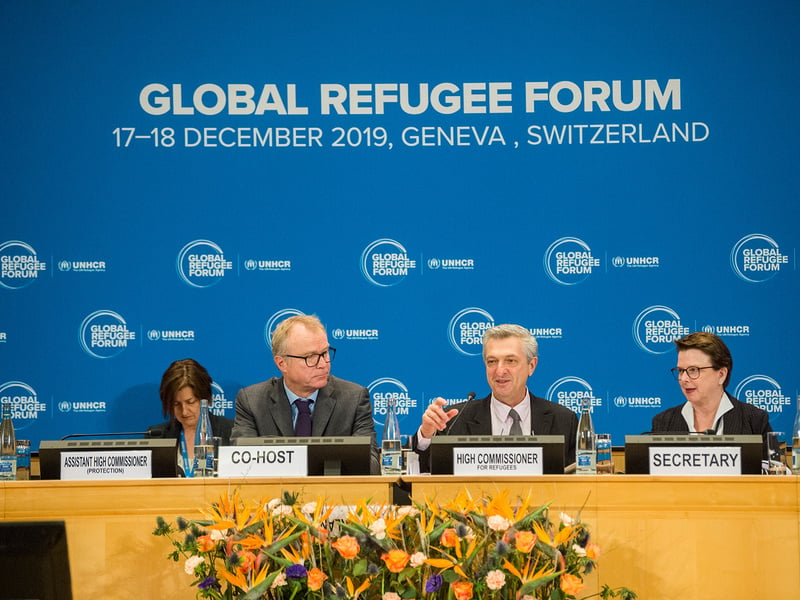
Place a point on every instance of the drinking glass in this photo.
(777, 458)
(605, 463)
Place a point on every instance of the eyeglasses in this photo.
(312, 360)
(692, 372)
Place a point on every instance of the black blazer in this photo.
(220, 426)
(742, 419)
(548, 418)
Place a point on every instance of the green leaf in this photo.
(450, 576)
(258, 591)
(536, 583)
(360, 568)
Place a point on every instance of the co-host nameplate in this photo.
(263, 461)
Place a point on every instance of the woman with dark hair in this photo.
(184, 384)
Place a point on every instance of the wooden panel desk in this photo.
(670, 538)
(109, 523)
(667, 538)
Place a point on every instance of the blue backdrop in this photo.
(179, 177)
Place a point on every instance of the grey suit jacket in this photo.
(548, 418)
(342, 408)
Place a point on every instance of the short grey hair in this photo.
(499, 332)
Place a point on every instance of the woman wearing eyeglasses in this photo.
(703, 372)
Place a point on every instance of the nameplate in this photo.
(497, 460)
(107, 464)
(703, 460)
(263, 461)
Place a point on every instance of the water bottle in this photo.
(204, 443)
(391, 448)
(796, 440)
(585, 451)
(8, 446)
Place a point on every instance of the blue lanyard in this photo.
(188, 465)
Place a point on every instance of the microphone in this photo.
(153, 433)
(470, 398)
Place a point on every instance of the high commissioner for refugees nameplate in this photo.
(111, 464)
(261, 461)
(494, 460)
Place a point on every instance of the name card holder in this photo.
(263, 461)
(498, 460)
(701, 460)
(107, 464)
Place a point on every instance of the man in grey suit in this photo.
(307, 400)
(510, 354)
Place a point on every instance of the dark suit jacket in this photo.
(220, 427)
(548, 418)
(342, 408)
(742, 419)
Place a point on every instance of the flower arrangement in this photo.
(483, 548)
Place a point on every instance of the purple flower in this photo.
(209, 582)
(297, 571)
(433, 584)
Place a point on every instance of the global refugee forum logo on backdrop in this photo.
(386, 263)
(757, 258)
(570, 391)
(764, 392)
(23, 402)
(569, 261)
(466, 330)
(104, 334)
(276, 318)
(656, 328)
(19, 265)
(382, 390)
(202, 263)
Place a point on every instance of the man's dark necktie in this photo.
(302, 427)
(516, 428)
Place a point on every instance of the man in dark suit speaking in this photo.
(510, 354)
(307, 400)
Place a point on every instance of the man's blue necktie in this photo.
(302, 426)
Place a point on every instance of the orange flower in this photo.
(315, 579)
(347, 546)
(205, 543)
(449, 538)
(592, 551)
(570, 584)
(246, 561)
(396, 560)
(525, 541)
(462, 589)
